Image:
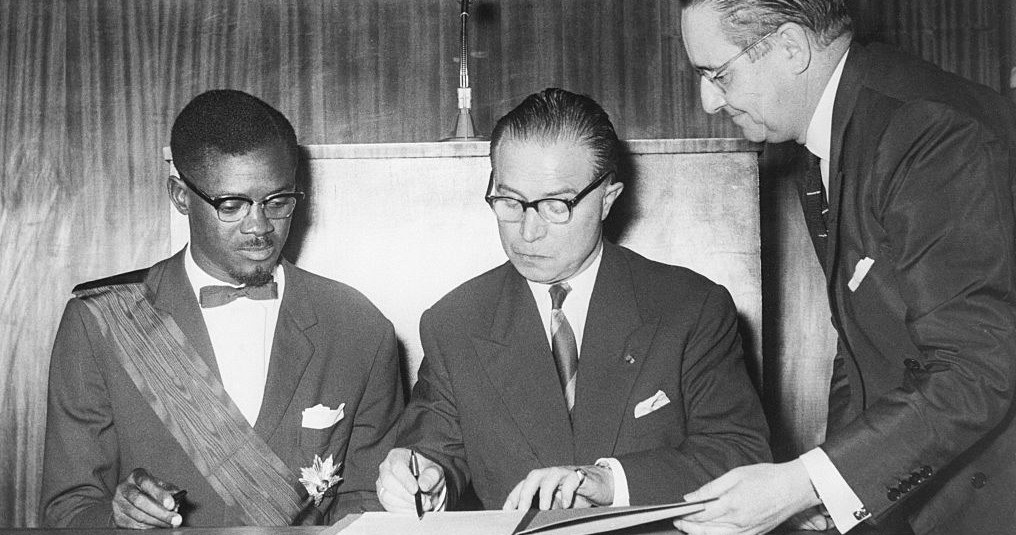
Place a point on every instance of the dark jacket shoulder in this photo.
(131, 277)
(330, 298)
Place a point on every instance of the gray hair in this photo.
(744, 21)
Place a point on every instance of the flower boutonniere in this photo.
(320, 477)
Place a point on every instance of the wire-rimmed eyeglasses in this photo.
(718, 76)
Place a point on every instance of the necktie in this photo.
(214, 296)
(566, 351)
(816, 207)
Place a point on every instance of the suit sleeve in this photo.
(723, 416)
(430, 423)
(81, 460)
(947, 213)
(373, 434)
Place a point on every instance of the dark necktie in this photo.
(566, 351)
(214, 296)
(816, 208)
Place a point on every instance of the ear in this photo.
(611, 195)
(795, 43)
(178, 194)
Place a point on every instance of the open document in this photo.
(555, 522)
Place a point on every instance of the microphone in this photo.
(464, 129)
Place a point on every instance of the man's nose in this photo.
(256, 222)
(533, 225)
(712, 98)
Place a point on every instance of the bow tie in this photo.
(214, 296)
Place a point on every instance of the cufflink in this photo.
(861, 514)
(629, 359)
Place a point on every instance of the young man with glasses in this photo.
(910, 210)
(223, 370)
(578, 372)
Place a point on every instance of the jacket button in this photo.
(926, 471)
(893, 495)
(912, 364)
(978, 480)
(915, 479)
(905, 486)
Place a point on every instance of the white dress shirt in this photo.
(842, 503)
(242, 333)
(575, 308)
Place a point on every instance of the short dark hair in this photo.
(231, 122)
(743, 21)
(558, 115)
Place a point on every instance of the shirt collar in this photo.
(818, 140)
(199, 277)
(581, 283)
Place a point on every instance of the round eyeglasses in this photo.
(511, 210)
(233, 208)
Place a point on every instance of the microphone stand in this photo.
(464, 130)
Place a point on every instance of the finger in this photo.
(156, 490)
(127, 515)
(569, 486)
(549, 484)
(135, 499)
(431, 479)
(694, 528)
(396, 501)
(396, 464)
(528, 488)
(714, 488)
(512, 502)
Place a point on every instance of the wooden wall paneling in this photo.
(31, 198)
(89, 89)
(80, 126)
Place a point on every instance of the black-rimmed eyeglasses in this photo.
(718, 76)
(510, 209)
(233, 208)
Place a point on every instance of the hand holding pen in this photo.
(414, 468)
(401, 491)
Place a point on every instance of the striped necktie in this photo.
(816, 208)
(566, 351)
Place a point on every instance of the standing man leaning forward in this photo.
(655, 403)
(915, 167)
(151, 392)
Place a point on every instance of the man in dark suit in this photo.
(657, 400)
(151, 392)
(910, 210)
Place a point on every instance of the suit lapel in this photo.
(519, 364)
(614, 331)
(843, 110)
(291, 352)
(173, 294)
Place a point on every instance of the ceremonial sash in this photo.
(189, 399)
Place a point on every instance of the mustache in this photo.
(262, 242)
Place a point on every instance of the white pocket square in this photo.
(860, 271)
(321, 417)
(647, 406)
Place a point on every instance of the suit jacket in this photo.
(489, 408)
(331, 346)
(921, 414)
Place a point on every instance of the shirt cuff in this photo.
(621, 496)
(843, 505)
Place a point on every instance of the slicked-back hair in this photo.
(744, 21)
(228, 122)
(555, 115)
